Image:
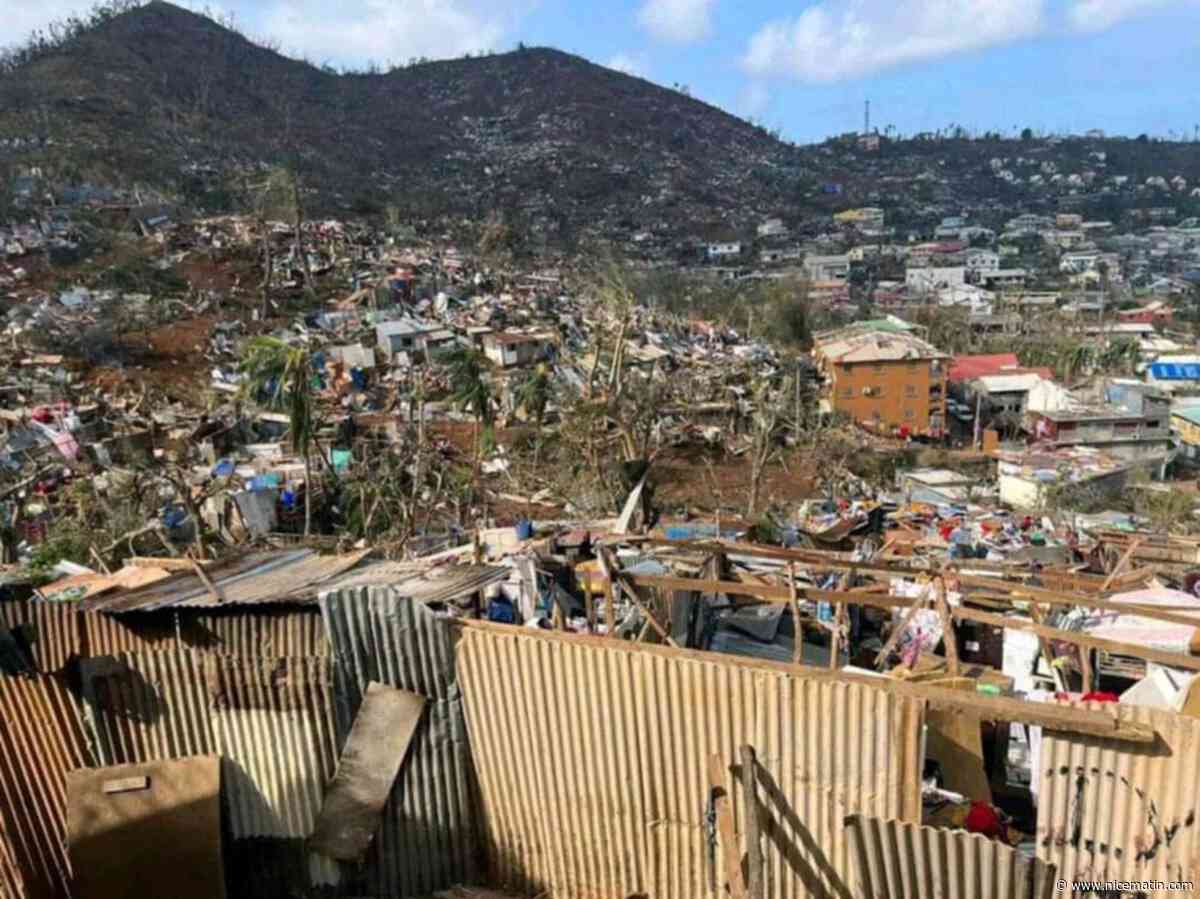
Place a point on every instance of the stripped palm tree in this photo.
(533, 395)
(281, 376)
(471, 391)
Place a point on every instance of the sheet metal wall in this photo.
(593, 760)
(40, 741)
(144, 707)
(428, 839)
(1120, 811)
(894, 860)
(53, 631)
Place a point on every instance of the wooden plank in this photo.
(650, 619)
(726, 832)
(1171, 659)
(371, 760)
(1121, 563)
(754, 855)
(949, 634)
(954, 740)
(798, 644)
(126, 784)
(894, 638)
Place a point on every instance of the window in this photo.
(1153, 424)
(878, 368)
(912, 364)
(910, 390)
(909, 414)
(848, 391)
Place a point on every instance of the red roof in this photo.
(965, 368)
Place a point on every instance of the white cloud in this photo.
(630, 65)
(839, 39)
(677, 21)
(1098, 15)
(354, 31)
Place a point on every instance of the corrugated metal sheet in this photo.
(292, 632)
(275, 577)
(894, 860)
(272, 720)
(108, 635)
(442, 584)
(592, 758)
(12, 884)
(147, 707)
(40, 741)
(1121, 811)
(427, 840)
(51, 631)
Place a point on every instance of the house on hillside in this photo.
(512, 350)
(890, 381)
(1154, 313)
(827, 268)
(1124, 418)
(403, 335)
(723, 250)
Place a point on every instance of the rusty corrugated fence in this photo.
(896, 860)
(592, 757)
(40, 741)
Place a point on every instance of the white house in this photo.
(978, 261)
(724, 250)
(772, 228)
(927, 280)
(827, 268)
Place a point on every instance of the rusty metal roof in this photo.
(443, 584)
(290, 577)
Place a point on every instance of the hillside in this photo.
(159, 89)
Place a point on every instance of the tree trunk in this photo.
(308, 493)
(268, 268)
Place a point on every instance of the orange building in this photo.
(892, 382)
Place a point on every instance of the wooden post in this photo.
(949, 634)
(754, 857)
(1035, 612)
(607, 570)
(589, 605)
(726, 832)
(798, 648)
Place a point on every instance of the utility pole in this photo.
(867, 119)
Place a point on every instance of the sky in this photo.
(804, 67)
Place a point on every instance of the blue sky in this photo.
(802, 66)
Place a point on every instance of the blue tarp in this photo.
(1175, 371)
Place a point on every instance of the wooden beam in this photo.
(215, 593)
(726, 832)
(894, 638)
(651, 620)
(798, 644)
(1121, 563)
(948, 633)
(1171, 659)
(754, 856)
